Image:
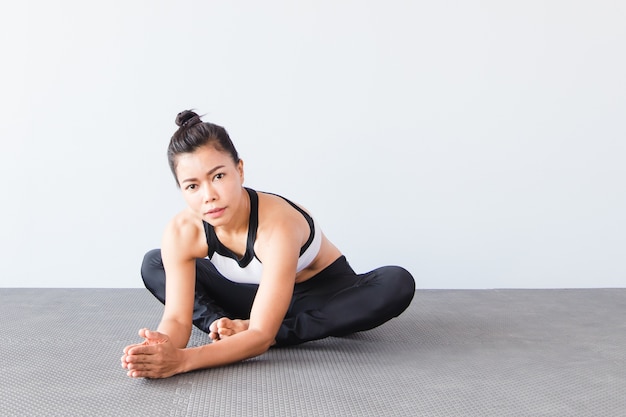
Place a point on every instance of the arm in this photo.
(279, 250)
(179, 252)
(280, 254)
(182, 244)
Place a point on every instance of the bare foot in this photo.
(225, 327)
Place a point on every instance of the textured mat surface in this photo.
(452, 353)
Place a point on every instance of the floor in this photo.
(452, 353)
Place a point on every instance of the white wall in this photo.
(480, 144)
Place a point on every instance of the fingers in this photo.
(138, 374)
(218, 324)
(141, 359)
(148, 334)
(214, 329)
(129, 347)
(148, 347)
(144, 374)
(226, 331)
(139, 362)
(221, 327)
(141, 371)
(151, 361)
(153, 337)
(143, 350)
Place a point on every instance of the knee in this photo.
(401, 283)
(151, 267)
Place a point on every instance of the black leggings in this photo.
(335, 302)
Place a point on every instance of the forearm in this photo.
(178, 332)
(244, 345)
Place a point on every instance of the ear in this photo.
(240, 170)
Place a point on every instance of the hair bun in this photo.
(187, 118)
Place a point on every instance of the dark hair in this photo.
(193, 133)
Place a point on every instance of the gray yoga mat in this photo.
(452, 353)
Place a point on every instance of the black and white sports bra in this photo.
(248, 269)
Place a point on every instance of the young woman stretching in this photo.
(252, 269)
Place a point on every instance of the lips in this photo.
(216, 212)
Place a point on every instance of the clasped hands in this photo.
(155, 357)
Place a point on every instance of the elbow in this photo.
(267, 344)
(264, 341)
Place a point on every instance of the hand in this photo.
(156, 357)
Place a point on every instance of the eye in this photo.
(191, 187)
(219, 176)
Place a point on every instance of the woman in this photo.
(252, 269)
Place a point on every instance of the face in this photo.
(211, 183)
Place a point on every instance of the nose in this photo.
(209, 193)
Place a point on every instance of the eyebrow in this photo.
(208, 173)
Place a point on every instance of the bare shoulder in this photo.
(184, 236)
(278, 219)
(275, 210)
